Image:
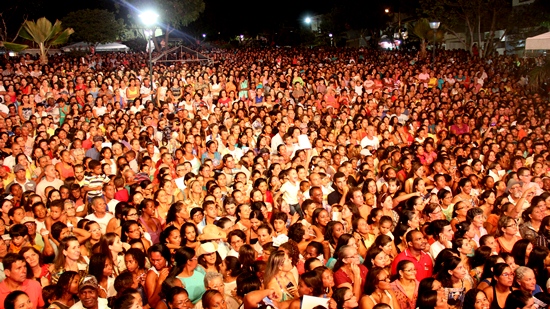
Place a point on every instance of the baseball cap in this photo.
(511, 183)
(88, 281)
(18, 167)
(98, 139)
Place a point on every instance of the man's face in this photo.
(88, 297)
(311, 252)
(340, 183)
(18, 271)
(418, 241)
(79, 173)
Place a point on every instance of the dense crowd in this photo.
(274, 178)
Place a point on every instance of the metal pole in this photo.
(151, 62)
(433, 57)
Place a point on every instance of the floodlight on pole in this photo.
(434, 25)
(149, 19)
(308, 20)
(387, 11)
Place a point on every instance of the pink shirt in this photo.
(31, 287)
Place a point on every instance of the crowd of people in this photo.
(274, 178)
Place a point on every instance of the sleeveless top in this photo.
(155, 235)
(387, 294)
(494, 303)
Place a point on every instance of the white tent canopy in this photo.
(539, 42)
(109, 47)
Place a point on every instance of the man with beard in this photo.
(15, 269)
(416, 243)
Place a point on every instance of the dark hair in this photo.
(312, 280)
(498, 269)
(11, 258)
(9, 301)
(296, 231)
(125, 301)
(233, 265)
(166, 233)
(443, 274)
(371, 254)
(470, 298)
(173, 291)
(517, 299)
(436, 227)
(518, 251)
(247, 282)
(182, 256)
(138, 255)
(537, 255)
(339, 295)
(184, 227)
(163, 250)
(97, 265)
(427, 300)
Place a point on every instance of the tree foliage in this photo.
(94, 26)
(473, 17)
(173, 14)
(45, 35)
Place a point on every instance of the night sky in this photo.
(234, 17)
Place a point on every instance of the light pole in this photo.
(149, 19)
(434, 25)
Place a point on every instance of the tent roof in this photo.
(539, 42)
(99, 47)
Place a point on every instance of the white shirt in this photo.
(101, 303)
(370, 142)
(275, 142)
(101, 221)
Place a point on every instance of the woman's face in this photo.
(190, 233)
(72, 252)
(95, 231)
(381, 260)
(507, 277)
(323, 218)
(131, 263)
(32, 258)
(384, 280)
(350, 301)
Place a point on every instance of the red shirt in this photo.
(31, 287)
(424, 266)
(341, 277)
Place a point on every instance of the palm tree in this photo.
(423, 31)
(43, 33)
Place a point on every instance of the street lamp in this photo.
(387, 11)
(149, 19)
(434, 25)
(308, 20)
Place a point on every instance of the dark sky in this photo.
(229, 17)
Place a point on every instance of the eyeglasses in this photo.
(131, 215)
(387, 279)
(507, 275)
(348, 299)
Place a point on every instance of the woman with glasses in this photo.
(501, 285)
(405, 286)
(432, 212)
(460, 210)
(189, 274)
(349, 271)
(345, 298)
(507, 231)
(378, 289)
